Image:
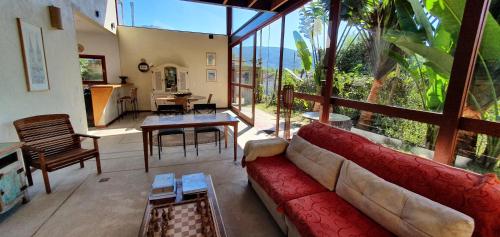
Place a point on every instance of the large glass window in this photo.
(306, 39)
(484, 93)
(479, 152)
(404, 135)
(396, 53)
(266, 88)
(173, 15)
(241, 16)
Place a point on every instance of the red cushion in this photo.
(281, 179)
(475, 195)
(326, 214)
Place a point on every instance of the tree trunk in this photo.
(365, 118)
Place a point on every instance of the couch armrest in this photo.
(264, 148)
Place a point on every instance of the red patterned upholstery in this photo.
(326, 214)
(281, 179)
(475, 195)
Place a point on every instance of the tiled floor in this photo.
(80, 205)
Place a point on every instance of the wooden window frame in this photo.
(104, 70)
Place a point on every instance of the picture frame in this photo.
(33, 51)
(93, 69)
(211, 75)
(211, 58)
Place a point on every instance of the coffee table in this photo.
(213, 204)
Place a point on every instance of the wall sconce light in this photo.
(55, 17)
(97, 13)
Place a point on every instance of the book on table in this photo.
(164, 186)
(194, 183)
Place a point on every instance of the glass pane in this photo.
(247, 61)
(268, 44)
(306, 39)
(235, 100)
(397, 53)
(236, 64)
(478, 152)
(246, 101)
(91, 69)
(484, 93)
(400, 134)
(241, 16)
(173, 15)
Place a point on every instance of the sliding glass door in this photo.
(243, 79)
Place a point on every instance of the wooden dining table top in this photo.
(189, 97)
(187, 120)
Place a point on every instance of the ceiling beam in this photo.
(259, 5)
(251, 3)
(276, 4)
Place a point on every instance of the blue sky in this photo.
(198, 17)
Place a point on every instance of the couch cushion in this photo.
(326, 214)
(264, 148)
(322, 165)
(282, 180)
(472, 194)
(402, 212)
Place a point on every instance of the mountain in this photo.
(290, 58)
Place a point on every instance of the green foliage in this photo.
(303, 51)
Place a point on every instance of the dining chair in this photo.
(206, 109)
(128, 99)
(182, 101)
(209, 98)
(175, 110)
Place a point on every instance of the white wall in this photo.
(182, 48)
(103, 43)
(65, 94)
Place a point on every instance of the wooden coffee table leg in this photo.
(145, 147)
(226, 131)
(235, 134)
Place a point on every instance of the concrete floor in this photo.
(80, 205)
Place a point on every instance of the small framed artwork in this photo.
(35, 65)
(211, 59)
(211, 75)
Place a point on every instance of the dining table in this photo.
(157, 122)
(173, 98)
(337, 120)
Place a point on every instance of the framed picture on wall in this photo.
(211, 59)
(35, 65)
(211, 75)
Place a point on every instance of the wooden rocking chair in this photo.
(51, 144)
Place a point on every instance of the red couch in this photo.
(311, 210)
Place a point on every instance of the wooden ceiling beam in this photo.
(251, 3)
(259, 5)
(276, 4)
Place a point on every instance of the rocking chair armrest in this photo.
(86, 135)
(32, 148)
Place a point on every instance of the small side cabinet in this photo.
(13, 186)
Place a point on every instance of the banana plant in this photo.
(435, 51)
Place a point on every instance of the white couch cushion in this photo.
(264, 148)
(323, 165)
(400, 211)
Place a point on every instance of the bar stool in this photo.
(131, 100)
